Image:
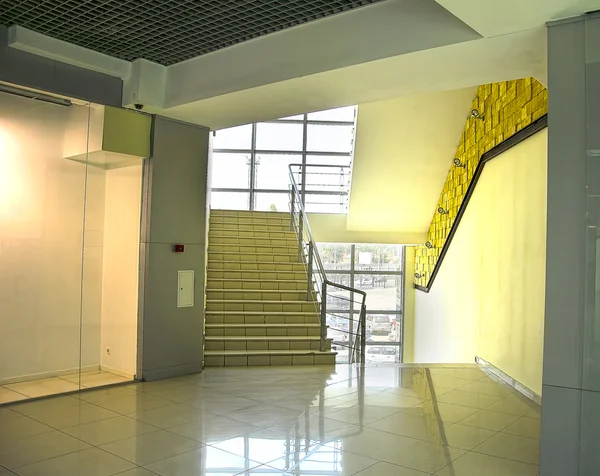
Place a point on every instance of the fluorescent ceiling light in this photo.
(26, 93)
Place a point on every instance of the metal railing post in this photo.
(363, 333)
(293, 196)
(300, 234)
(323, 316)
(309, 288)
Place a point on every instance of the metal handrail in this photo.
(315, 266)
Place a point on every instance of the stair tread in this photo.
(260, 338)
(242, 324)
(231, 290)
(259, 301)
(250, 252)
(268, 352)
(281, 232)
(258, 262)
(266, 313)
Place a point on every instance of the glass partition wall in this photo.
(69, 241)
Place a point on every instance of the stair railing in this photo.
(346, 332)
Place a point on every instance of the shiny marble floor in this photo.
(42, 387)
(377, 421)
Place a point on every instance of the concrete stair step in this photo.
(243, 329)
(236, 232)
(246, 213)
(259, 249)
(224, 284)
(261, 306)
(267, 295)
(220, 317)
(220, 358)
(257, 275)
(254, 241)
(250, 226)
(229, 265)
(252, 257)
(251, 220)
(265, 343)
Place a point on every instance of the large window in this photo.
(250, 163)
(376, 269)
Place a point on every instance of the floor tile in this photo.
(68, 416)
(43, 387)
(20, 426)
(203, 461)
(375, 444)
(489, 420)
(223, 405)
(387, 469)
(474, 464)
(524, 426)
(46, 404)
(468, 399)
(264, 414)
(327, 460)
(513, 404)
(465, 437)
(168, 416)
(212, 428)
(31, 449)
(517, 448)
(361, 415)
(489, 388)
(136, 402)
(151, 447)
(428, 457)
(454, 413)
(137, 472)
(94, 396)
(106, 431)
(90, 462)
(8, 396)
(392, 400)
(403, 424)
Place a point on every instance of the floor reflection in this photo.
(379, 420)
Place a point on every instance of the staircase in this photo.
(257, 307)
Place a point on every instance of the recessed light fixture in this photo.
(26, 93)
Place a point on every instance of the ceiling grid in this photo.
(165, 31)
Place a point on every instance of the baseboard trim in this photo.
(494, 371)
(112, 370)
(56, 373)
(169, 372)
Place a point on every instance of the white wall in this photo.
(488, 298)
(120, 269)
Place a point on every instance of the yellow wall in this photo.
(332, 228)
(408, 336)
(506, 108)
(488, 298)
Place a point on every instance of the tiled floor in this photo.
(381, 421)
(20, 391)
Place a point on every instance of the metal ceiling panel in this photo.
(165, 31)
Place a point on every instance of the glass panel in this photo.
(230, 200)
(371, 257)
(383, 327)
(339, 114)
(382, 353)
(318, 203)
(327, 179)
(230, 170)
(335, 256)
(323, 138)
(41, 222)
(234, 138)
(329, 159)
(383, 291)
(272, 171)
(272, 202)
(274, 136)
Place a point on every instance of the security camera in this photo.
(138, 106)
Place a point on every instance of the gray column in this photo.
(571, 379)
(173, 212)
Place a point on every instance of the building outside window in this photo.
(251, 163)
(377, 270)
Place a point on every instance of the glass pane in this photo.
(274, 136)
(41, 222)
(318, 203)
(383, 291)
(272, 202)
(329, 138)
(329, 159)
(335, 256)
(233, 138)
(339, 114)
(327, 179)
(382, 353)
(230, 200)
(272, 171)
(230, 170)
(370, 257)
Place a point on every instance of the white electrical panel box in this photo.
(185, 288)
